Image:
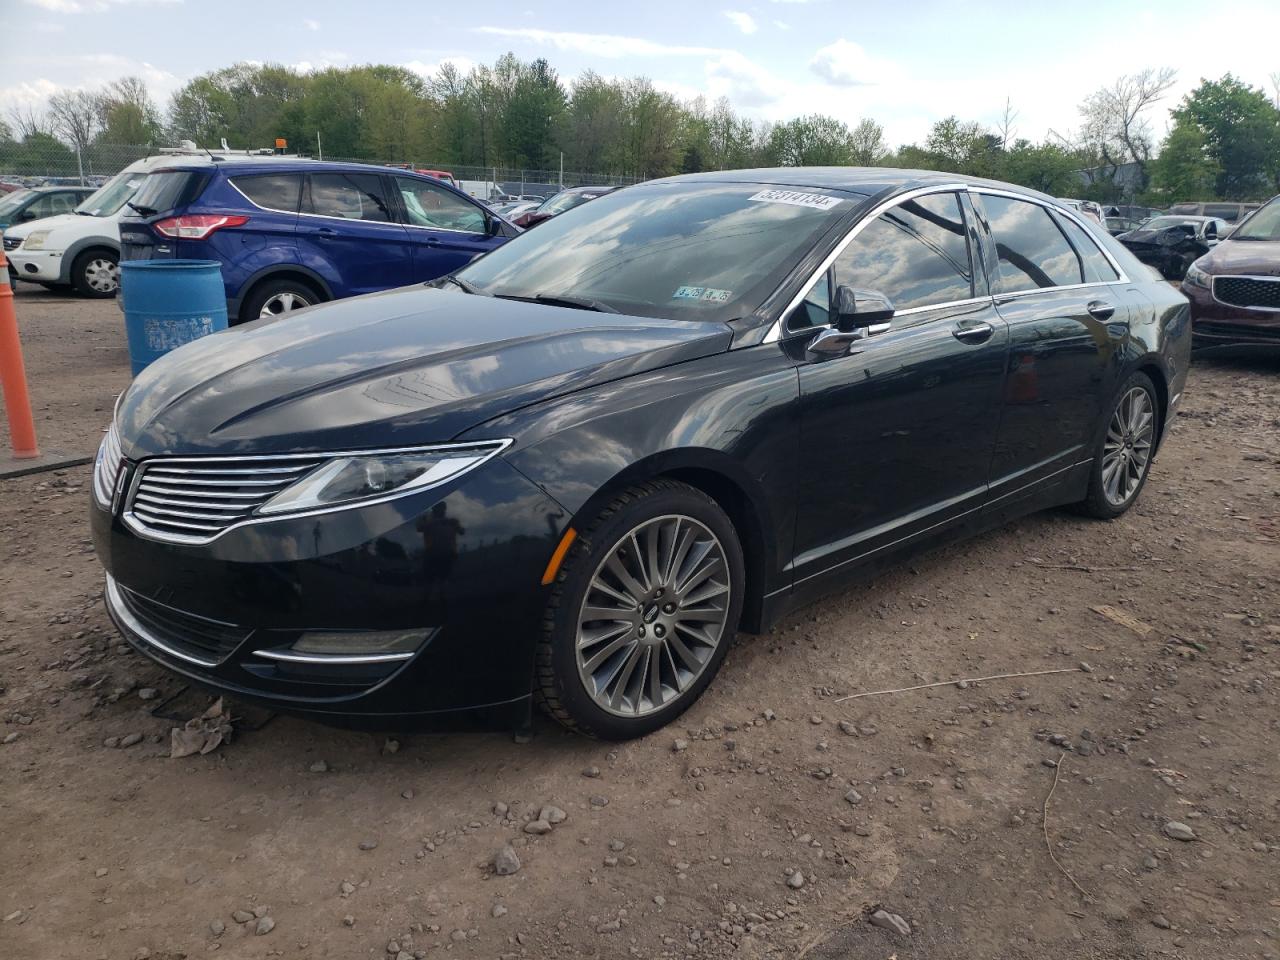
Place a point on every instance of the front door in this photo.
(447, 231)
(896, 437)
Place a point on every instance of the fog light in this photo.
(355, 646)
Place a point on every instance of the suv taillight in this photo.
(196, 226)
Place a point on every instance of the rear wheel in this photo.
(1122, 461)
(96, 273)
(275, 298)
(642, 612)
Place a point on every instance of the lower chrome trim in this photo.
(337, 659)
(120, 611)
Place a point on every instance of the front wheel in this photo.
(642, 612)
(96, 273)
(1123, 458)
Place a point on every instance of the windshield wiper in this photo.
(466, 285)
(141, 210)
(576, 303)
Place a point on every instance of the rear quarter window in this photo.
(272, 191)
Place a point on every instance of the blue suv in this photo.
(290, 232)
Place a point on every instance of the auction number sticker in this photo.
(708, 294)
(797, 199)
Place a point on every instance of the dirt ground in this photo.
(770, 822)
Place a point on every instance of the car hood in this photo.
(1259, 258)
(398, 368)
(47, 223)
(1144, 236)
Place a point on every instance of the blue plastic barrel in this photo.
(168, 303)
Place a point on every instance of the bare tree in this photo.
(1005, 128)
(76, 115)
(1275, 89)
(1113, 123)
(27, 123)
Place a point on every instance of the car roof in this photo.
(863, 180)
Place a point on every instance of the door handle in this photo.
(326, 233)
(973, 331)
(1100, 309)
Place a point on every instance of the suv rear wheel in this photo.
(275, 298)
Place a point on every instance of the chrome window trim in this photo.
(117, 606)
(1062, 211)
(140, 528)
(1213, 290)
(775, 331)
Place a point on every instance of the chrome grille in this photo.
(106, 469)
(1259, 293)
(12, 243)
(193, 500)
(199, 639)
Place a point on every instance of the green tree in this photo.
(1184, 170)
(813, 140)
(1239, 137)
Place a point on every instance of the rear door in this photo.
(896, 437)
(1067, 312)
(446, 231)
(347, 233)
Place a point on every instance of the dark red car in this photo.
(558, 204)
(1234, 289)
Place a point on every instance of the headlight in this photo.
(353, 478)
(35, 240)
(1197, 278)
(106, 468)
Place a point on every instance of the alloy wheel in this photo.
(102, 275)
(1126, 452)
(283, 303)
(653, 615)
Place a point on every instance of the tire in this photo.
(1122, 459)
(276, 298)
(594, 691)
(96, 273)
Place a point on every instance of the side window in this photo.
(1033, 252)
(916, 254)
(1097, 268)
(428, 205)
(350, 196)
(62, 203)
(815, 309)
(272, 191)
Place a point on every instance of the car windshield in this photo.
(563, 201)
(1164, 223)
(1263, 225)
(12, 201)
(686, 251)
(112, 195)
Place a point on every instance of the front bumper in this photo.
(38, 266)
(1215, 323)
(462, 563)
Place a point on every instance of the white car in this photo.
(82, 249)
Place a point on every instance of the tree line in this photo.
(1223, 142)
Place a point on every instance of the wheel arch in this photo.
(719, 477)
(291, 271)
(83, 246)
(1154, 369)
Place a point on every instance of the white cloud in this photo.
(742, 80)
(742, 20)
(598, 44)
(90, 6)
(311, 25)
(846, 64)
(781, 26)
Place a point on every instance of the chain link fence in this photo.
(37, 159)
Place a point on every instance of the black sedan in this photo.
(568, 474)
(1171, 243)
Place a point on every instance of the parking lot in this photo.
(770, 821)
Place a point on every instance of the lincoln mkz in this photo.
(569, 473)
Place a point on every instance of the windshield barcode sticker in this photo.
(797, 199)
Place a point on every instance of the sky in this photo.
(905, 64)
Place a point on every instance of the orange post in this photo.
(13, 374)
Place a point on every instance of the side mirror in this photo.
(866, 310)
(27, 215)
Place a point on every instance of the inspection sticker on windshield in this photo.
(797, 199)
(687, 293)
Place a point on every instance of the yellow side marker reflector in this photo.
(557, 558)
